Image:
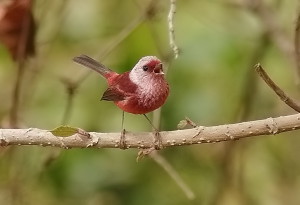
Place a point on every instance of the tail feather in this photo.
(93, 64)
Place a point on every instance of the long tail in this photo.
(93, 64)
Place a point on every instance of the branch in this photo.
(142, 140)
(276, 89)
(171, 14)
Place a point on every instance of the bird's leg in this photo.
(157, 136)
(122, 143)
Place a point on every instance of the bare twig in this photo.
(172, 12)
(213, 134)
(190, 122)
(161, 161)
(287, 100)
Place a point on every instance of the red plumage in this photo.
(139, 91)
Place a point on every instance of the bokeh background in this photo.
(212, 82)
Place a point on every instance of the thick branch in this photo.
(198, 135)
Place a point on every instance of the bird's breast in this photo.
(148, 97)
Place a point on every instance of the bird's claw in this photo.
(122, 142)
(157, 140)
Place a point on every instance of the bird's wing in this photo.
(113, 94)
(120, 89)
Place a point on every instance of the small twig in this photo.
(172, 12)
(287, 100)
(190, 122)
(187, 121)
(161, 161)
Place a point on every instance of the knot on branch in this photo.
(272, 125)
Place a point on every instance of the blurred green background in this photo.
(212, 82)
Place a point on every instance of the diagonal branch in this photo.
(290, 102)
(198, 135)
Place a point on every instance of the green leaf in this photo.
(64, 131)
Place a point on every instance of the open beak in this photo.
(159, 69)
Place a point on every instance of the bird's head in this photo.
(148, 67)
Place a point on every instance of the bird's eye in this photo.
(145, 67)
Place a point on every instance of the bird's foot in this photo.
(122, 142)
(157, 140)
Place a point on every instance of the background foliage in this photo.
(212, 82)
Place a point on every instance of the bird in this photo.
(140, 90)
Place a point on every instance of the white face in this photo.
(147, 69)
